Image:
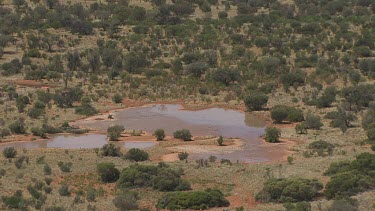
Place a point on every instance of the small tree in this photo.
(279, 113)
(220, 141)
(159, 134)
(183, 134)
(136, 154)
(272, 134)
(110, 150)
(313, 122)
(108, 172)
(255, 101)
(18, 127)
(301, 128)
(64, 190)
(114, 132)
(126, 201)
(9, 152)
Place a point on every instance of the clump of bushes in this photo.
(183, 134)
(183, 156)
(280, 113)
(9, 152)
(18, 127)
(289, 190)
(313, 122)
(161, 178)
(117, 98)
(321, 147)
(272, 134)
(350, 177)
(108, 172)
(136, 154)
(114, 132)
(64, 190)
(197, 200)
(86, 108)
(14, 202)
(159, 134)
(255, 101)
(65, 167)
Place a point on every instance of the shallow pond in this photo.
(214, 121)
(87, 141)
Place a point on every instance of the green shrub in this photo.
(220, 141)
(64, 190)
(126, 200)
(279, 113)
(18, 127)
(299, 206)
(4, 132)
(110, 150)
(183, 134)
(159, 134)
(108, 172)
(160, 178)
(197, 200)
(289, 190)
(136, 154)
(301, 128)
(47, 170)
(114, 132)
(313, 122)
(183, 156)
(14, 202)
(65, 167)
(255, 101)
(272, 134)
(351, 177)
(9, 152)
(37, 131)
(117, 98)
(344, 204)
(321, 146)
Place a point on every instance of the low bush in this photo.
(159, 134)
(114, 132)
(117, 98)
(289, 190)
(255, 101)
(108, 172)
(351, 177)
(160, 177)
(321, 146)
(280, 113)
(272, 134)
(197, 200)
(9, 152)
(183, 156)
(18, 127)
(127, 200)
(14, 202)
(65, 167)
(313, 122)
(64, 190)
(183, 134)
(136, 154)
(301, 128)
(110, 150)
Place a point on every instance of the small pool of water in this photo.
(87, 141)
(214, 121)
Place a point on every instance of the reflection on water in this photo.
(214, 121)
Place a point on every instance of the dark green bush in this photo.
(117, 98)
(65, 167)
(350, 178)
(64, 190)
(18, 127)
(197, 200)
(9, 152)
(136, 154)
(114, 132)
(37, 131)
(289, 190)
(321, 146)
(110, 150)
(183, 156)
(160, 178)
(313, 122)
(279, 113)
(159, 134)
(108, 172)
(272, 134)
(14, 202)
(183, 134)
(255, 101)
